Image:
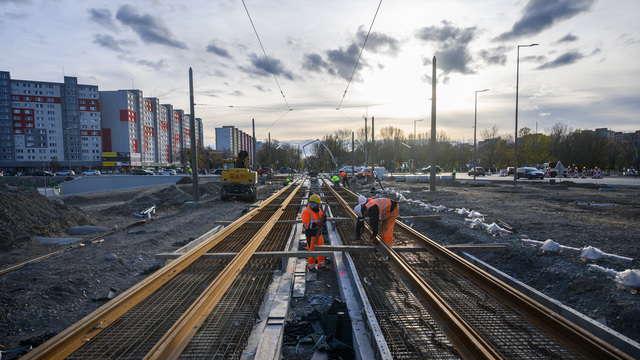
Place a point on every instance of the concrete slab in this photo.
(86, 229)
(57, 241)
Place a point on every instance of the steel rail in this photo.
(177, 338)
(565, 331)
(72, 338)
(574, 337)
(467, 341)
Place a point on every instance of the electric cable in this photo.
(265, 55)
(360, 54)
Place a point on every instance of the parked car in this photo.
(510, 170)
(168, 172)
(366, 172)
(218, 171)
(66, 173)
(141, 172)
(42, 173)
(529, 173)
(91, 173)
(264, 171)
(479, 171)
(427, 170)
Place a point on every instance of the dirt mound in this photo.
(165, 199)
(25, 214)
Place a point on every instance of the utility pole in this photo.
(432, 175)
(194, 146)
(269, 149)
(373, 149)
(253, 145)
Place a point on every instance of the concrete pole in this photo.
(253, 145)
(373, 148)
(432, 175)
(194, 146)
(353, 164)
(269, 149)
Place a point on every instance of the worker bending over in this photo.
(384, 211)
(312, 221)
(345, 179)
(360, 223)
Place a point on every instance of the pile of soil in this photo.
(44, 298)
(25, 214)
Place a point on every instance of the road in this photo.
(607, 180)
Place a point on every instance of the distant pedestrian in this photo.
(453, 173)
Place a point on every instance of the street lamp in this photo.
(475, 128)
(415, 141)
(515, 139)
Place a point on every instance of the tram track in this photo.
(507, 323)
(426, 304)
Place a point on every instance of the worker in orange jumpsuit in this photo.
(383, 212)
(345, 179)
(312, 221)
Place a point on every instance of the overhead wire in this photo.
(359, 55)
(265, 55)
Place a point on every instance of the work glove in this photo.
(373, 240)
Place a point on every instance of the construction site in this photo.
(477, 270)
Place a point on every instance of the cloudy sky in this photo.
(585, 73)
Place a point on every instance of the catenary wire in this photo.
(360, 54)
(265, 55)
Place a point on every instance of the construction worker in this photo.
(312, 220)
(345, 179)
(287, 181)
(336, 181)
(360, 224)
(382, 210)
(453, 173)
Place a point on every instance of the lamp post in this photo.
(475, 129)
(515, 139)
(415, 141)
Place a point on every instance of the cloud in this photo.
(342, 61)
(562, 60)
(495, 56)
(158, 65)
(103, 18)
(568, 38)
(378, 42)
(213, 48)
(260, 67)
(540, 15)
(107, 41)
(451, 46)
(150, 29)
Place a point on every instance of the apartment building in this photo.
(231, 140)
(47, 122)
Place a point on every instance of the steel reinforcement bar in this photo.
(66, 342)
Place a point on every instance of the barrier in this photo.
(503, 172)
(597, 174)
(547, 173)
(584, 173)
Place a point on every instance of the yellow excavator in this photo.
(237, 180)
